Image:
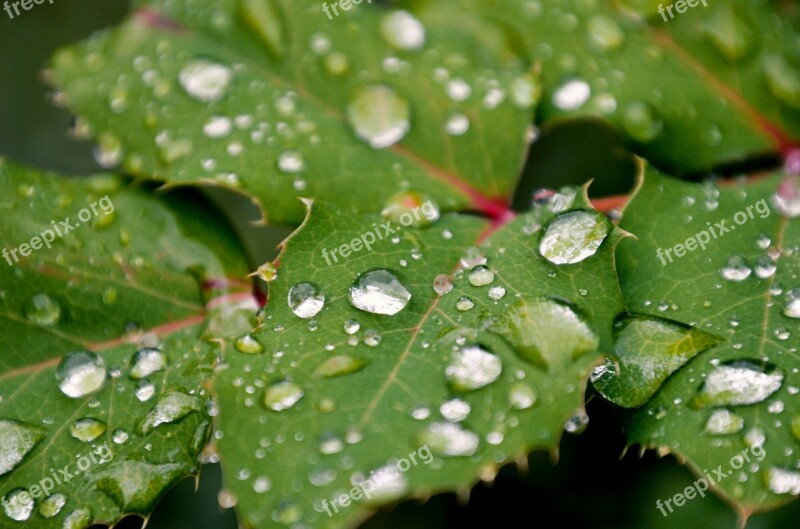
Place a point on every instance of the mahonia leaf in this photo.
(104, 296)
(272, 98)
(420, 346)
(721, 259)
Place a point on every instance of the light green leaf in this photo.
(462, 367)
(102, 406)
(722, 260)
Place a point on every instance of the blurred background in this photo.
(589, 485)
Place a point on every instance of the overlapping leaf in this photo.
(710, 86)
(738, 399)
(132, 272)
(492, 367)
(275, 99)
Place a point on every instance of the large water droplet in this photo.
(80, 373)
(147, 361)
(339, 365)
(248, 345)
(17, 439)
(481, 276)
(144, 390)
(449, 440)
(724, 422)
(782, 481)
(52, 505)
(522, 396)
(572, 95)
(379, 116)
(455, 410)
(737, 383)
(379, 292)
(43, 310)
(18, 505)
(217, 127)
(282, 395)
(403, 31)
(442, 284)
(87, 429)
(736, 269)
(170, 408)
(471, 368)
(119, 436)
(205, 80)
(306, 300)
(573, 236)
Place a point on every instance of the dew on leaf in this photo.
(605, 33)
(18, 505)
(571, 95)
(458, 90)
(52, 505)
(455, 410)
(169, 409)
(217, 127)
(379, 116)
(497, 293)
(144, 390)
(339, 365)
(723, 422)
(792, 307)
(87, 429)
(379, 291)
(755, 437)
(573, 236)
(291, 162)
(147, 361)
(330, 443)
(412, 209)
(464, 304)
(473, 256)
(736, 269)
(457, 124)
(472, 368)
(205, 80)
(43, 310)
(351, 326)
(306, 300)
(248, 345)
(80, 373)
(737, 383)
(402, 30)
(449, 440)
(782, 481)
(642, 121)
(442, 284)
(372, 337)
(521, 396)
(17, 439)
(282, 395)
(480, 276)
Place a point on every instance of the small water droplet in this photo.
(403, 31)
(306, 300)
(144, 390)
(217, 127)
(291, 162)
(481, 276)
(522, 396)
(205, 80)
(43, 310)
(572, 95)
(52, 505)
(80, 373)
(282, 395)
(464, 304)
(497, 293)
(87, 429)
(642, 122)
(457, 125)
(379, 291)
(736, 269)
(442, 284)
(147, 361)
(472, 368)
(455, 410)
(248, 345)
(449, 440)
(379, 116)
(724, 422)
(120, 436)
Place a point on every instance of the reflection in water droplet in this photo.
(282, 395)
(724, 422)
(379, 292)
(449, 440)
(306, 300)
(18, 505)
(205, 80)
(379, 116)
(736, 269)
(17, 439)
(87, 429)
(573, 236)
(170, 408)
(402, 30)
(52, 505)
(572, 95)
(147, 361)
(80, 373)
(737, 383)
(43, 310)
(472, 368)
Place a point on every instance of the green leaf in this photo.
(739, 398)
(101, 400)
(461, 381)
(272, 98)
(712, 86)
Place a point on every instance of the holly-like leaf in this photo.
(392, 370)
(715, 84)
(104, 298)
(272, 98)
(721, 259)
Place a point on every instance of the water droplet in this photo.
(330, 444)
(379, 116)
(147, 361)
(287, 512)
(522, 396)
(410, 208)
(18, 505)
(87, 429)
(497, 293)
(339, 365)
(80, 373)
(737, 383)
(420, 412)
(642, 122)
(248, 345)
(389, 483)
(571, 95)
(336, 63)
(573, 236)
(605, 33)
(724, 422)
(217, 127)
(449, 440)
(782, 481)
(306, 300)
(458, 90)
(78, 519)
(282, 395)
(17, 439)
(776, 407)
(442, 284)
(736, 269)
(792, 307)
(262, 484)
(578, 423)
(457, 125)
(227, 499)
(525, 91)
(755, 437)
(372, 338)
(351, 326)
(464, 304)
(472, 368)
(403, 31)
(765, 267)
(144, 390)
(481, 276)
(120, 436)
(291, 162)
(787, 198)
(168, 409)
(379, 292)
(205, 80)
(52, 505)
(455, 410)
(43, 310)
